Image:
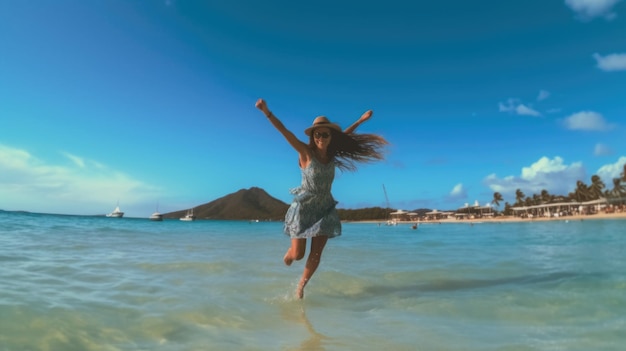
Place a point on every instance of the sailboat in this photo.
(117, 213)
(390, 221)
(189, 216)
(156, 216)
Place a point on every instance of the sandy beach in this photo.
(577, 217)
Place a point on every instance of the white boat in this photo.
(116, 213)
(189, 216)
(156, 216)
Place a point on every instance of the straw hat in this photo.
(321, 121)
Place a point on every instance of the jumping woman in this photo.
(312, 214)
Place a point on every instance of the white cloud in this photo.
(84, 187)
(457, 193)
(611, 62)
(457, 190)
(524, 110)
(77, 160)
(602, 150)
(543, 94)
(549, 174)
(515, 106)
(543, 165)
(509, 106)
(590, 9)
(586, 120)
(610, 171)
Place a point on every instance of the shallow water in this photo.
(96, 283)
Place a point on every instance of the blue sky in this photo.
(152, 102)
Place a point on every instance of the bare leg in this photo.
(317, 246)
(295, 252)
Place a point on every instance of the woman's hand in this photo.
(367, 115)
(364, 117)
(262, 105)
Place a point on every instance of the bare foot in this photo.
(288, 259)
(300, 291)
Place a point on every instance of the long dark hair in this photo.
(349, 149)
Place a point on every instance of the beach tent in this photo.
(597, 205)
(434, 214)
(400, 215)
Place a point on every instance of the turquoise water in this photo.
(96, 283)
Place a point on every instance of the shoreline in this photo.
(500, 219)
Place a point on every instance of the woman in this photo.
(312, 213)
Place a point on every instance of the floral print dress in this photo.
(312, 212)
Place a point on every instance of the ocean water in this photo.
(95, 283)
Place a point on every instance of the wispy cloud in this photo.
(613, 170)
(587, 121)
(83, 187)
(602, 150)
(524, 110)
(77, 160)
(543, 94)
(516, 107)
(554, 110)
(508, 106)
(550, 174)
(611, 62)
(457, 193)
(587, 10)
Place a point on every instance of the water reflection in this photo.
(315, 340)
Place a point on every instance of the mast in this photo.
(386, 199)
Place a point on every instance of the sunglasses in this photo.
(319, 135)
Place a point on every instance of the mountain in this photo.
(255, 203)
(245, 204)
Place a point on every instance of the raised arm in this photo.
(364, 117)
(298, 145)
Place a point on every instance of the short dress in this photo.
(312, 212)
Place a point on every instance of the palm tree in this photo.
(497, 197)
(623, 179)
(545, 196)
(519, 197)
(528, 201)
(507, 209)
(618, 189)
(581, 193)
(595, 189)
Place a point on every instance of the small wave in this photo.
(467, 284)
(13, 258)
